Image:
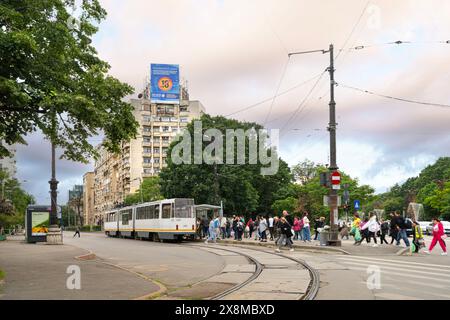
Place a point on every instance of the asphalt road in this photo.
(171, 264)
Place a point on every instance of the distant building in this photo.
(75, 204)
(9, 164)
(88, 199)
(116, 176)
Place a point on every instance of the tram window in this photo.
(151, 212)
(183, 208)
(156, 211)
(125, 216)
(166, 211)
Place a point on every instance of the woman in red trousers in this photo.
(438, 236)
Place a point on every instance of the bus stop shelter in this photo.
(208, 210)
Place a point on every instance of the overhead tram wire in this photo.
(430, 104)
(269, 99)
(278, 89)
(301, 105)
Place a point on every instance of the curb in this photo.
(296, 246)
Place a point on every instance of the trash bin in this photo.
(324, 237)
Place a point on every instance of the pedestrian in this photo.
(263, 229)
(214, 226)
(384, 228)
(438, 236)
(290, 221)
(401, 229)
(306, 229)
(205, 223)
(228, 227)
(364, 231)
(250, 226)
(355, 228)
(286, 234)
(271, 227)
(318, 223)
(256, 226)
(418, 240)
(223, 227)
(239, 229)
(344, 231)
(235, 223)
(77, 231)
(372, 228)
(276, 229)
(393, 228)
(296, 228)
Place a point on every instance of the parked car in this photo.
(446, 225)
(423, 225)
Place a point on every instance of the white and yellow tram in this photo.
(171, 219)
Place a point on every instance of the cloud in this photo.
(233, 53)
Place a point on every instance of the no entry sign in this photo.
(336, 180)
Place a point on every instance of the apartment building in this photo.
(116, 176)
(88, 199)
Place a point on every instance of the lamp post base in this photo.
(54, 235)
(333, 240)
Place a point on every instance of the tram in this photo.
(169, 219)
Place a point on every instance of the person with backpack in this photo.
(384, 227)
(393, 231)
(286, 234)
(418, 240)
(250, 226)
(262, 229)
(239, 229)
(256, 228)
(318, 223)
(401, 229)
(234, 225)
(214, 226)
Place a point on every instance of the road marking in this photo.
(395, 296)
(397, 269)
(402, 274)
(401, 267)
(395, 261)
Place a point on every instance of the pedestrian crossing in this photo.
(401, 279)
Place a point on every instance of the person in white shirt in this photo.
(271, 227)
(306, 229)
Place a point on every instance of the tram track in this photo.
(310, 292)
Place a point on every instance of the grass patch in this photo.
(2, 274)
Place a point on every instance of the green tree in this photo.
(241, 187)
(151, 191)
(290, 204)
(51, 79)
(13, 201)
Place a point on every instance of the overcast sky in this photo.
(234, 54)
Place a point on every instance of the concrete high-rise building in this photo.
(9, 164)
(116, 176)
(88, 199)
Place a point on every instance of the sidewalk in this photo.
(38, 271)
(314, 246)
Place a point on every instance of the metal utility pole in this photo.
(333, 194)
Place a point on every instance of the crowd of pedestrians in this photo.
(282, 229)
(396, 227)
(286, 229)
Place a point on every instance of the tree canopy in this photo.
(52, 80)
(151, 191)
(241, 187)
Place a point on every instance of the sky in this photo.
(234, 54)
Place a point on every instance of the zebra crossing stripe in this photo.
(395, 261)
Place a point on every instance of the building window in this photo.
(156, 150)
(147, 171)
(165, 119)
(147, 118)
(165, 139)
(156, 160)
(166, 129)
(147, 150)
(146, 129)
(164, 150)
(147, 160)
(184, 119)
(147, 139)
(156, 129)
(183, 109)
(146, 107)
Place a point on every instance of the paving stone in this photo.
(239, 268)
(230, 277)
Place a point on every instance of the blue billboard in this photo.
(165, 83)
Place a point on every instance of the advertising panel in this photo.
(165, 83)
(39, 223)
